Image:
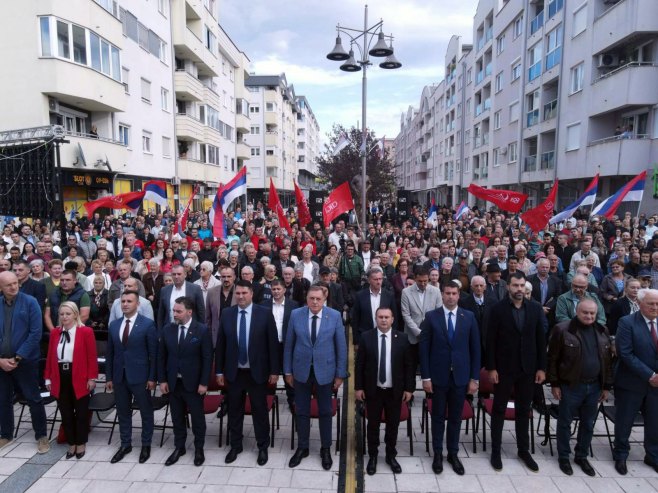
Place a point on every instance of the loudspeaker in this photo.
(315, 202)
(403, 204)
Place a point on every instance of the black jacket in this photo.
(362, 316)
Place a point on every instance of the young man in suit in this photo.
(366, 303)
(516, 361)
(29, 286)
(247, 357)
(449, 351)
(184, 365)
(636, 382)
(385, 377)
(315, 357)
(131, 366)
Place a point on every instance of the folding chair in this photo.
(46, 398)
(315, 414)
(468, 415)
(405, 415)
(214, 401)
(103, 402)
(610, 414)
(272, 407)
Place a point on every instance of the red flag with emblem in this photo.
(339, 201)
(507, 200)
(274, 204)
(538, 217)
(303, 212)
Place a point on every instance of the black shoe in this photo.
(297, 457)
(232, 455)
(528, 461)
(496, 462)
(80, 455)
(325, 457)
(565, 466)
(121, 453)
(457, 465)
(650, 463)
(371, 468)
(620, 466)
(199, 458)
(69, 454)
(175, 455)
(437, 463)
(395, 465)
(144, 454)
(262, 457)
(585, 466)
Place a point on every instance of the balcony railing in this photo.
(547, 160)
(477, 142)
(479, 77)
(537, 23)
(487, 104)
(485, 139)
(530, 164)
(554, 6)
(553, 58)
(481, 42)
(532, 118)
(534, 71)
(550, 110)
(478, 109)
(624, 67)
(488, 34)
(487, 70)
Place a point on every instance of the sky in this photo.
(294, 37)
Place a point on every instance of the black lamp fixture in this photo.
(381, 49)
(338, 54)
(350, 65)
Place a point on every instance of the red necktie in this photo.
(126, 332)
(654, 335)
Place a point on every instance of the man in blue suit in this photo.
(449, 353)
(247, 357)
(184, 365)
(131, 359)
(636, 382)
(315, 357)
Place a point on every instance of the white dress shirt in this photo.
(67, 357)
(454, 317)
(277, 310)
(389, 372)
(175, 294)
(123, 325)
(375, 301)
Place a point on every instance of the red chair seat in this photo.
(467, 411)
(404, 413)
(212, 402)
(247, 404)
(510, 412)
(315, 413)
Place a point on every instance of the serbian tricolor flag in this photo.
(216, 216)
(303, 212)
(274, 204)
(587, 198)
(181, 224)
(131, 201)
(156, 191)
(339, 201)
(431, 213)
(507, 200)
(538, 217)
(225, 195)
(631, 192)
(461, 210)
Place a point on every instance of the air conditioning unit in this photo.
(608, 60)
(53, 105)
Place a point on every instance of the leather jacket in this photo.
(564, 354)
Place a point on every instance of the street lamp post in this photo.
(364, 36)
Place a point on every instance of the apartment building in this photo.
(549, 89)
(308, 144)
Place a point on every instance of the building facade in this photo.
(549, 89)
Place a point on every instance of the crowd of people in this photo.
(573, 306)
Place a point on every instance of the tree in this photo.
(334, 170)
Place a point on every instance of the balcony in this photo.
(479, 77)
(271, 139)
(271, 160)
(553, 58)
(487, 70)
(630, 18)
(633, 84)
(532, 118)
(615, 155)
(487, 104)
(537, 23)
(554, 6)
(191, 169)
(242, 151)
(530, 164)
(95, 149)
(547, 160)
(242, 123)
(188, 87)
(188, 45)
(534, 71)
(478, 109)
(271, 118)
(189, 127)
(550, 110)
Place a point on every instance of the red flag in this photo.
(274, 204)
(182, 221)
(130, 201)
(339, 201)
(538, 217)
(303, 212)
(508, 200)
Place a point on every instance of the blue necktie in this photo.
(382, 361)
(451, 327)
(243, 357)
(314, 329)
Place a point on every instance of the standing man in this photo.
(385, 376)
(153, 282)
(20, 332)
(218, 299)
(180, 287)
(68, 290)
(516, 361)
(184, 365)
(29, 286)
(477, 303)
(366, 303)
(636, 382)
(315, 358)
(546, 289)
(449, 351)
(132, 346)
(247, 357)
(580, 374)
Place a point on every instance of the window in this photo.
(518, 26)
(554, 6)
(95, 47)
(162, 7)
(212, 118)
(496, 157)
(124, 134)
(532, 116)
(467, 165)
(270, 107)
(166, 146)
(254, 109)
(499, 82)
(164, 99)
(255, 151)
(516, 70)
(210, 40)
(231, 74)
(467, 136)
(79, 45)
(143, 36)
(226, 162)
(577, 74)
(146, 91)
(573, 137)
(554, 47)
(514, 111)
(579, 21)
(255, 129)
(468, 106)
(225, 99)
(46, 50)
(63, 39)
(125, 75)
(496, 119)
(512, 152)
(146, 141)
(534, 61)
(469, 76)
(500, 44)
(212, 155)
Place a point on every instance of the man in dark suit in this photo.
(366, 303)
(184, 365)
(449, 352)
(496, 288)
(546, 289)
(478, 304)
(335, 299)
(247, 357)
(29, 286)
(516, 361)
(282, 261)
(385, 376)
(636, 382)
(218, 299)
(281, 307)
(131, 359)
(153, 283)
(180, 287)
(626, 305)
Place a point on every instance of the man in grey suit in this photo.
(416, 301)
(315, 357)
(180, 287)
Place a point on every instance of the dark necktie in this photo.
(64, 339)
(314, 329)
(243, 357)
(654, 335)
(126, 333)
(382, 361)
(181, 337)
(451, 327)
